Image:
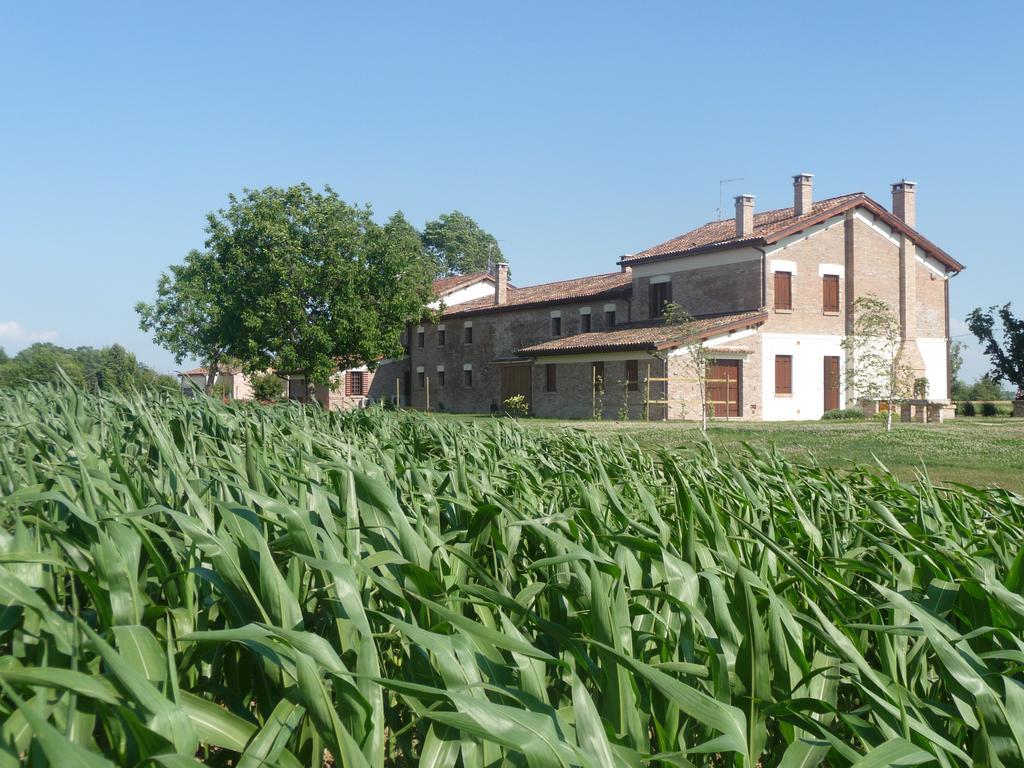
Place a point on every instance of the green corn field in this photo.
(186, 582)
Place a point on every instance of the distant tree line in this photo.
(111, 368)
(299, 281)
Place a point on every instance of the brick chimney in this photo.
(501, 283)
(904, 204)
(803, 183)
(744, 215)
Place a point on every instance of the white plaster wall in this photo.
(933, 352)
(467, 293)
(808, 398)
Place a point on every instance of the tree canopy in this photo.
(109, 368)
(1006, 356)
(295, 280)
(459, 245)
(187, 317)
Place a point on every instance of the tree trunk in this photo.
(888, 418)
(212, 369)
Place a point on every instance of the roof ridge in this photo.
(570, 280)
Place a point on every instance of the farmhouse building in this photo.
(772, 292)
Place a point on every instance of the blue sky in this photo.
(573, 132)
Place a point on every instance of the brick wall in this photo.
(808, 315)
(684, 394)
(496, 336)
(708, 290)
(574, 396)
(931, 304)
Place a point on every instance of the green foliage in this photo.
(187, 317)
(1005, 355)
(967, 408)
(877, 370)
(268, 387)
(516, 406)
(989, 409)
(843, 414)
(252, 586)
(109, 369)
(313, 283)
(459, 246)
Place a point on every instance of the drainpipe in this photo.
(764, 274)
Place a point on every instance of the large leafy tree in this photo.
(187, 316)
(459, 245)
(1007, 356)
(312, 284)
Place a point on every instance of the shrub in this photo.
(517, 406)
(267, 387)
(989, 409)
(843, 414)
(966, 408)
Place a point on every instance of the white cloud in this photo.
(12, 331)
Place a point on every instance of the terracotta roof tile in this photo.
(772, 226)
(446, 285)
(650, 336)
(716, 233)
(581, 288)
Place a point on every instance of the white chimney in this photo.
(501, 283)
(904, 203)
(803, 183)
(744, 215)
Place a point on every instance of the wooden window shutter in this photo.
(551, 373)
(783, 374)
(830, 293)
(348, 384)
(783, 290)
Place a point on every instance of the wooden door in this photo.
(725, 388)
(517, 380)
(831, 374)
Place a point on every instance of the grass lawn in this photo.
(975, 451)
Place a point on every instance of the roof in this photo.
(563, 291)
(646, 336)
(446, 285)
(772, 226)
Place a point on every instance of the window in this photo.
(467, 334)
(550, 378)
(598, 377)
(609, 318)
(783, 374)
(661, 294)
(467, 377)
(355, 383)
(783, 290)
(441, 335)
(440, 377)
(420, 336)
(830, 293)
(632, 375)
(421, 378)
(556, 326)
(585, 323)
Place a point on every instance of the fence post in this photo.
(426, 380)
(647, 396)
(398, 393)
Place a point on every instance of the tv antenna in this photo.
(722, 183)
